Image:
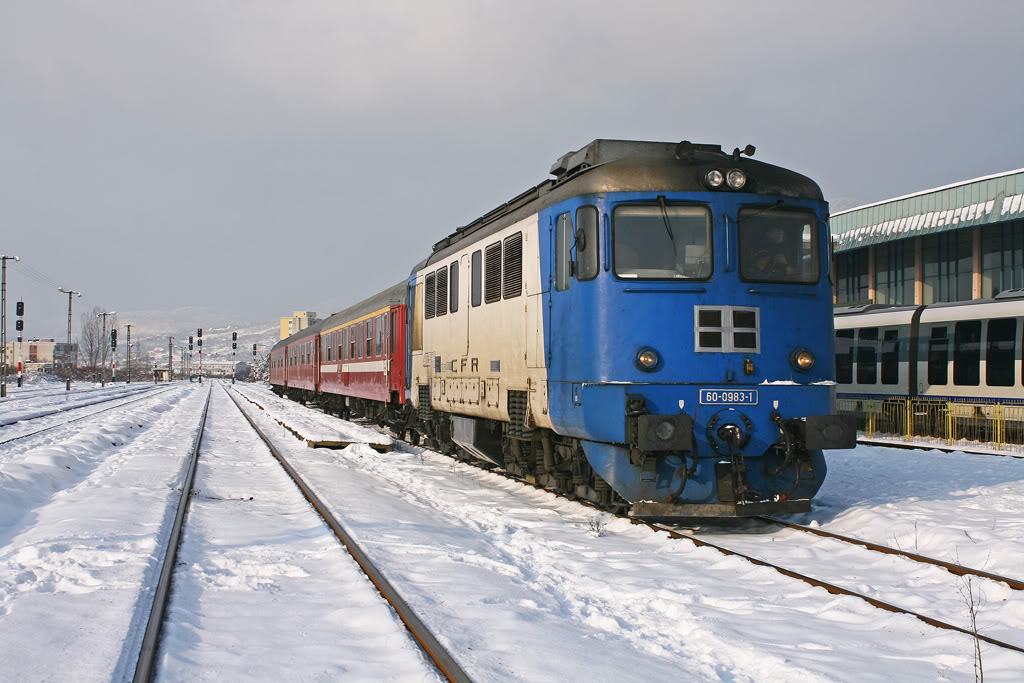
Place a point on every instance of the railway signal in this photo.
(19, 308)
(19, 325)
(113, 339)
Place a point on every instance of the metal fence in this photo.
(991, 425)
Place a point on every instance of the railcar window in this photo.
(662, 242)
(492, 274)
(586, 243)
(340, 340)
(891, 357)
(384, 334)
(378, 342)
(778, 246)
(844, 356)
(429, 308)
(369, 338)
(453, 287)
(391, 329)
(512, 268)
(475, 276)
(938, 356)
(563, 252)
(359, 343)
(867, 355)
(441, 277)
(999, 357)
(967, 353)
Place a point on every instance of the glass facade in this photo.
(1002, 258)
(948, 259)
(894, 272)
(852, 276)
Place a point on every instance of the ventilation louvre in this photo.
(513, 285)
(428, 297)
(442, 292)
(492, 273)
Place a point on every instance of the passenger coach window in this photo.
(453, 287)
(476, 277)
(967, 353)
(891, 357)
(492, 276)
(359, 343)
(778, 245)
(844, 356)
(563, 244)
(662, 242)
(391, 330)
(867, 361)
(1002, 342)
(938, 356)
(586, 243)
(369, 338)
(379, 339)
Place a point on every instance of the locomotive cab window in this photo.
(777, 245)
(586, 243)
(662, 242)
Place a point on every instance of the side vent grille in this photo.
(492, 273)
(425, 411)
(513, 285)
(428, 297)
(442, 291)
(518, 409)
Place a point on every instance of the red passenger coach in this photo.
(352, 361)
(362, 354)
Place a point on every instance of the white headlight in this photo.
(736, 179)
(714, 178)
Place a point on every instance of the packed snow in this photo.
(517, 583)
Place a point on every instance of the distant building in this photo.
(299, 320)
(37, 355)
(955, 243)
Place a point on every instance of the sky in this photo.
(237, 161)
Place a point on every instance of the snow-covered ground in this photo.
(517, 583)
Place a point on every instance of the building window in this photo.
(867, 352)
(948, 266)
(844, 356)
(475, 275)
(967, 353)
(999, 357)
(1002, 258)
(492, 274)
(894, 272)
(852, 277)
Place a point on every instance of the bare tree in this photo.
(89, 338)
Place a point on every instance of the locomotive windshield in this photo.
(662, 242)
(778, 246)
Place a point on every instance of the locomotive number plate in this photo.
(741, 397)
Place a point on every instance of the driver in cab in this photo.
(770, 258)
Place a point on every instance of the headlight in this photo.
(736, 179)
(647, 359)
(714, 178)
(802, 360)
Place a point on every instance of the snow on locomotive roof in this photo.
(629, 166)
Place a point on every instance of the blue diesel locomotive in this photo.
(650, 329)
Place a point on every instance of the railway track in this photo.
(433, 649)
(937, 447)
(146, 395)
(831, 587)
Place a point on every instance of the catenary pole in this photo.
(129, 343)
(67, 351)
(103, 345)
(3, 323)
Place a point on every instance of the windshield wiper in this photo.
(776, 205)
(668, 225)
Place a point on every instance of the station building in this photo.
(954, 243)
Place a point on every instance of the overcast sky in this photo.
(255, 158)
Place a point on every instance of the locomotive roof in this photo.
(624, 166)
(396, 294)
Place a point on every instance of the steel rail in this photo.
(88, 402)
(830, 587)
(952, 567)
(936, 447)
(147, 394)
(147, 653)
(430, 644)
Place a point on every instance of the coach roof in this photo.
(396, 294)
